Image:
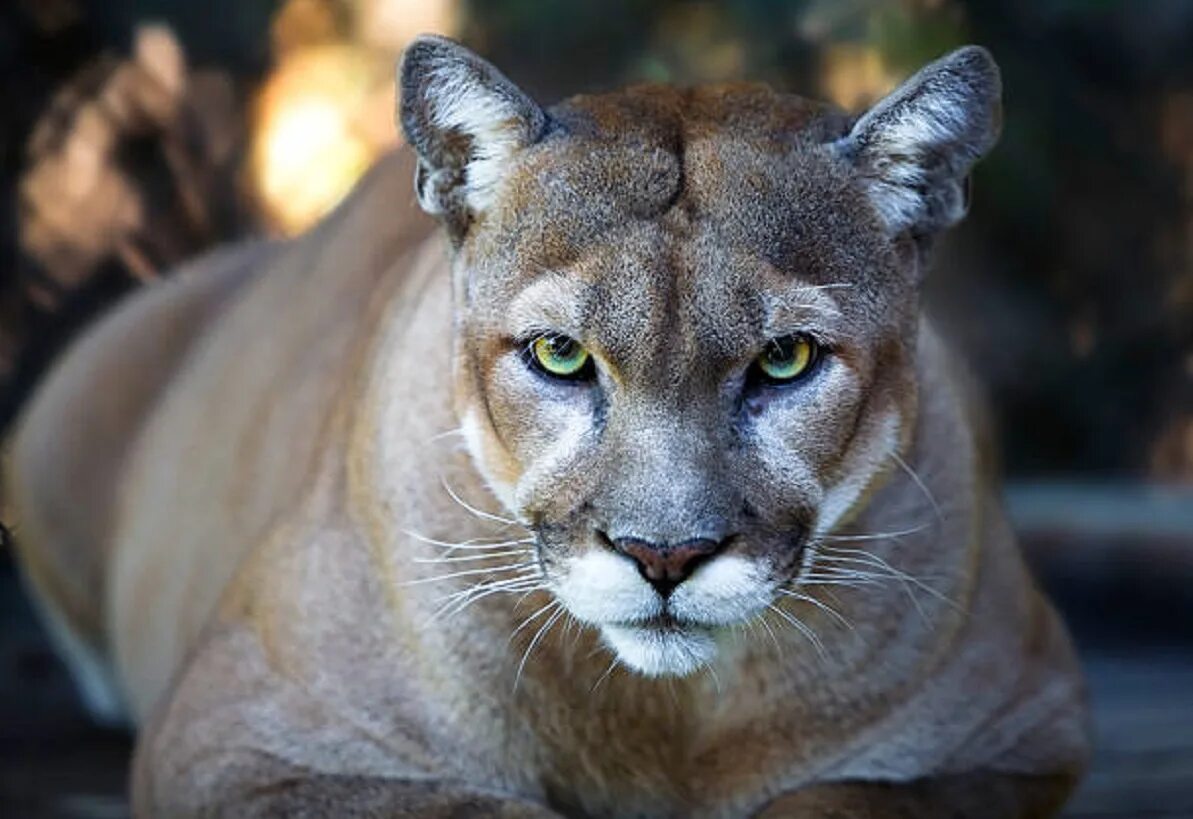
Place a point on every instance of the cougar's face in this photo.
(686, 320)
(683, 355)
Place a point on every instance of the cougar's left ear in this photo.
(913, 150)
(465, 120)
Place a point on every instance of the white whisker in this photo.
(920, 483)
(459, 600)
(446, 434)
(480, 513)
(467, 573)
(774, 639)
(801, 627)
(847, 581)
(465, 603)
(886, 571)
(466, 545)
(603, 677)
(829, 286)
(466, 558)
(548, 607)
(820, 605)
(538, 636)
(716, 680)
(898, 533)
(528, 574)
(868, 558)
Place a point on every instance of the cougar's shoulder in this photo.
(239, 439)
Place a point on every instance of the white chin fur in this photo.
(661, 653)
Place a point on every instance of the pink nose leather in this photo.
(666, 566)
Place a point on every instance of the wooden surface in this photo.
(1143, 708)
(1131, 616)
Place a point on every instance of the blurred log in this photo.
(121, 168)
(130, 169)
(1116, 556)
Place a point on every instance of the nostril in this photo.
(649, 557)
(666, 566)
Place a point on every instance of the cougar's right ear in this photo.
(465, 120)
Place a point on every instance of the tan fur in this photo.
(248, 539)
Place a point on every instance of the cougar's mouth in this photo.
(665, 621)
(661, 646)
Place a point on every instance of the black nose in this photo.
(665, 566)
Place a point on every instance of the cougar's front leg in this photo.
(240, 737)
(970, 796)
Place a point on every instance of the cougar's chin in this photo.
(661, 650)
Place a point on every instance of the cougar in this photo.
(636, 483)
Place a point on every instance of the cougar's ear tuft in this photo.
(465, 120)
(913, 151)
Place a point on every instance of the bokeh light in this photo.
(326, 111)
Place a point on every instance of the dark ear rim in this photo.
(971, 66)
(465, 120)
(915, 148)
(430, 53)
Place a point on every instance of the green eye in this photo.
(787, 358)
(561, 356)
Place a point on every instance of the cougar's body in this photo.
(312, 519)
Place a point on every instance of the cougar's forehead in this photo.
(628, 192)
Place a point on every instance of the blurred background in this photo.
(137, 133)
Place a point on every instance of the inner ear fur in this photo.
(913, 151)
(465, 120)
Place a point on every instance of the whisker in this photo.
(538, 636)
(480, 513)
(571, 629)
(603, 677)
(862, 556)
(529, 592)
(473, 547)
(716, 680)
(920, 483)
(829, 286)
(774, 639)
(845, 582)
(467, 573)
(840, 572)
(898, 533)
(831, 572)
(522, 582)
(466, 558)
(827, 609)
(475, 543)
(671, 688)
(893, 573)
(802, 628)
(499, 581)
(466, 603)
(452, 604)
(828, 570)
(532, 618)
(458, 601)
(446, 434)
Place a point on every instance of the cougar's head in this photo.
(685, 320)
